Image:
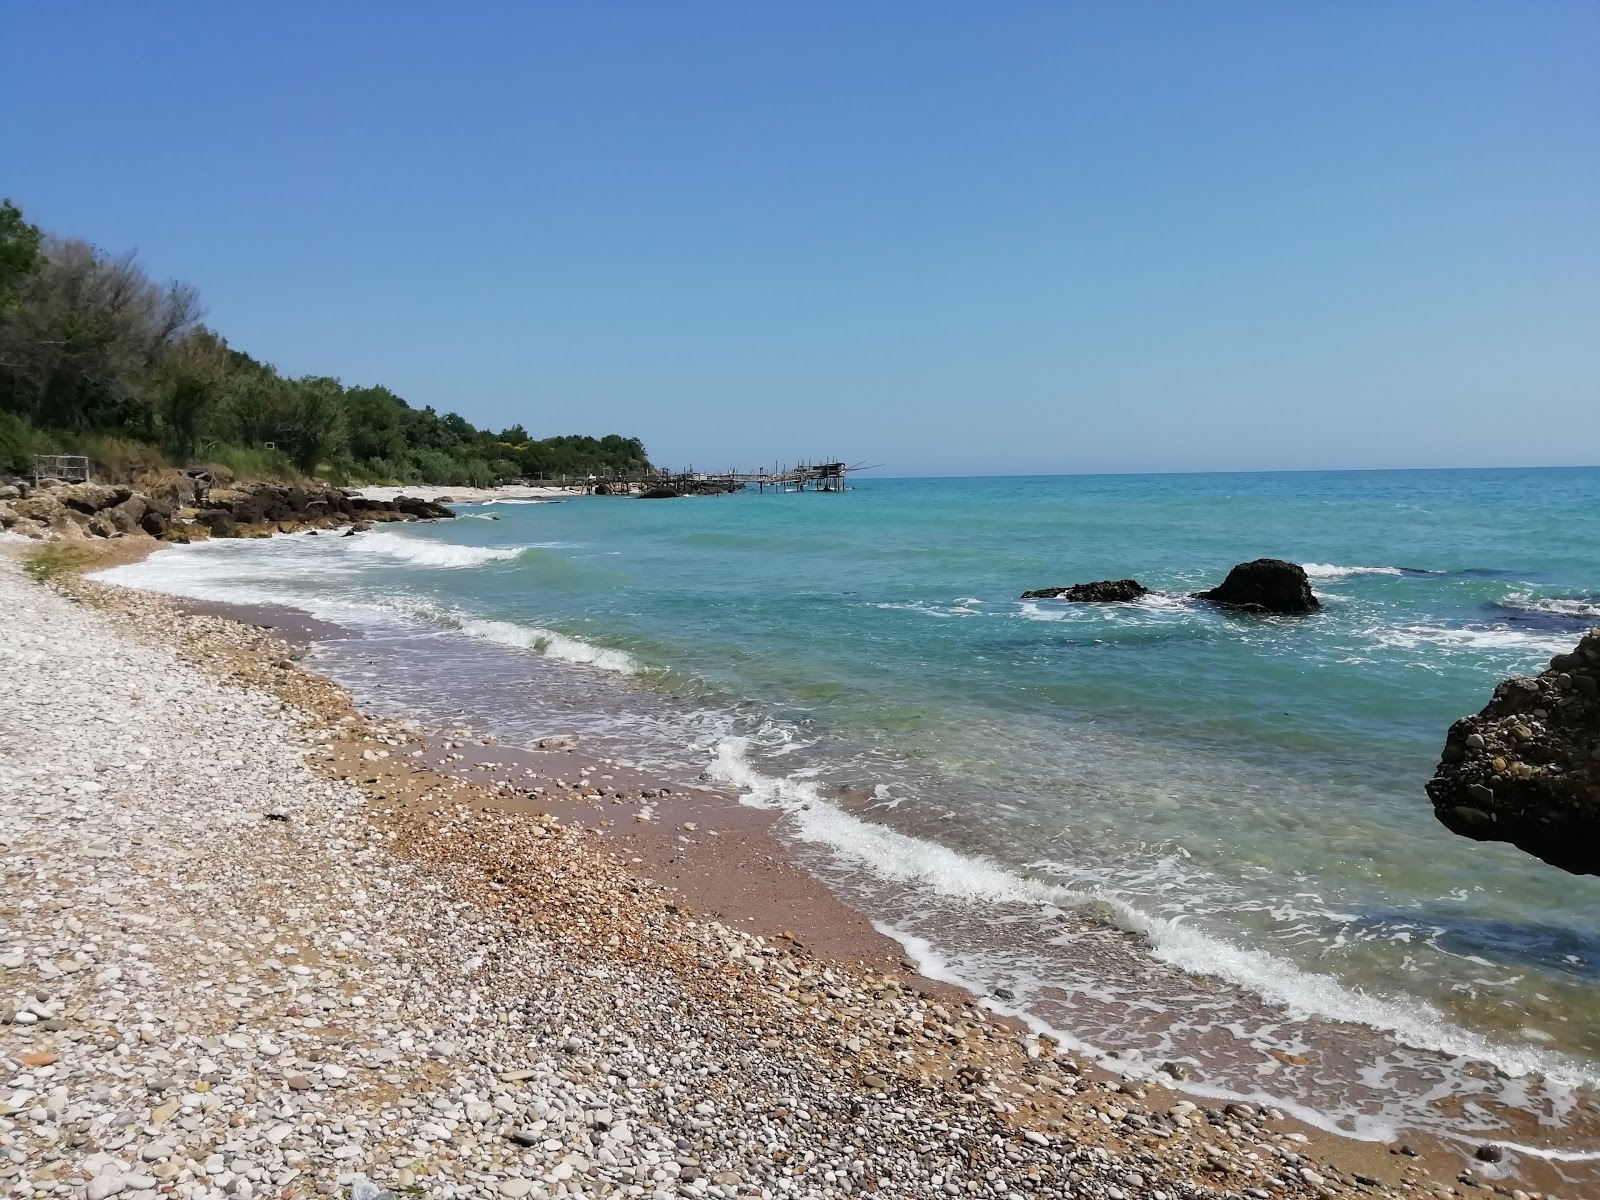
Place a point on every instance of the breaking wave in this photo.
(1563, 608)
(551, 644)
(424, 552)
(1332, 571)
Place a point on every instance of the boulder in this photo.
(127, 515)
(1264, 585)
(658, 493)
(219, 521)
(91, 497)
(44, 508)
(1102, 591)
(427, 510)
(101, 525)
(157, 518)
(1526, 769)
(69, 525)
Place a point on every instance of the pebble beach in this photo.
(252, 945)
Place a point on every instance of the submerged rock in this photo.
(1526, 770)
(1265, 585)
(1102, 591)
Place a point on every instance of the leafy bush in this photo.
(247, 463)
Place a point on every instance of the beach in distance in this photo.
(1191, 845)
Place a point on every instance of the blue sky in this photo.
(950, 238)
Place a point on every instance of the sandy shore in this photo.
(464, 495)
(258, 943)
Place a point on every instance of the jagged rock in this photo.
(91, 497)
(658, 493)
(288, 505)
(157, 517)
(69, 524)
(1526, 769)
(43, 508)
(219, 521)
(1264, 585)
(127, 515)
(1102, 591)
(415, 506)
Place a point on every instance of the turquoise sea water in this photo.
(1170, 834)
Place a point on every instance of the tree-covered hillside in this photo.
(97, 358)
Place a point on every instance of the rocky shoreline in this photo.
(255, 945)
(183, 507)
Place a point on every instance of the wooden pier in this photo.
(807, 477)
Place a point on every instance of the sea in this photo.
(1191, 844)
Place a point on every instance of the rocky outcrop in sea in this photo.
(1264, 585)
(1526, 769)
(1101, 591)
(186, 506)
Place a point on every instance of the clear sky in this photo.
(949, 238)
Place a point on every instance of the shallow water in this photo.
(1168, 833)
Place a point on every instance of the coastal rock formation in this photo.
(658, 493)
(174, 507)
(1526, 770)
(1264, 585)
(1102, 591)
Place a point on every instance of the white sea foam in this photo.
(934, 965)
(887, 854)
(1578, 608)
(425, 552)
(1331, 571)
(550, 644)
(498, 503)
(1464, 640)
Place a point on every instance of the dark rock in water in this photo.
(658, 493)
(1526, 770)
(1265, 585)
(426, 510)
(1102, 591)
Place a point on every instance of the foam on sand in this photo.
(944, 873)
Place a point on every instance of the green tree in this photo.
(85, 340)
(376, 419)
(194, 382)
(318, 431)
(19, 253)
